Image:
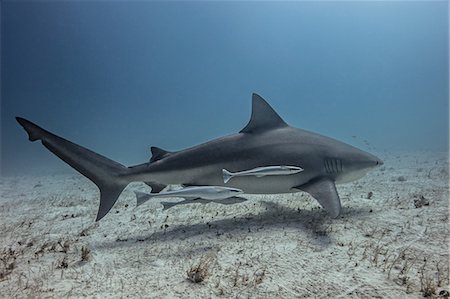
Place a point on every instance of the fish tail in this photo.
(168, 205)
(109, 176)
(226, 175)
(141, 197)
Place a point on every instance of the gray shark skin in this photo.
(265, 141)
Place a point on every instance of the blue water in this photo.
(119, 77)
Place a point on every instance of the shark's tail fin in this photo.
(141, 197)
(109, 176)
(226, 175)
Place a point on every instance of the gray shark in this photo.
(266, 140)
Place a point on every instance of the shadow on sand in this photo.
(315, 224)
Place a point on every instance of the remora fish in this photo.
(266, 140)
(203, 192)
(225, 201)
(261, 171)
(143, 197)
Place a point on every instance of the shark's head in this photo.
(351, 165)
(235, 191)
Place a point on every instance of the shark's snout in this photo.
(377, 161)
(372, 160)
(356, 164)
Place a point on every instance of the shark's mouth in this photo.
(351, 176)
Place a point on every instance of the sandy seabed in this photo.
(391, 240)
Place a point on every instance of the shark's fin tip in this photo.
(34, 131)
(158, 154)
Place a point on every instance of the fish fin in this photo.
(156, 187)
(226, 175)
(141, 197)
(324, 191)
(167, 205)
(109, 176)
(263, 117)
(158, 154)
(184, 185)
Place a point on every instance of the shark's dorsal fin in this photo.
(158, 154)
(263, 117)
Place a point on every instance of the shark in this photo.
(266, 140)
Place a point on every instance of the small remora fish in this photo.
(262, 171)
(225, 201)
(203, 192)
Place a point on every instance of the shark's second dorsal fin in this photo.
(158, 154)
(263, 117)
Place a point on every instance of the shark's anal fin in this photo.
(156, 187)
(263, 117)
(158, 154)
(324, 191)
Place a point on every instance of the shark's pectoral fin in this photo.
(324, 191)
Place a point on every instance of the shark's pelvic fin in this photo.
(324, 191)
(109, 176)
(158, 154)
(263, 117)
